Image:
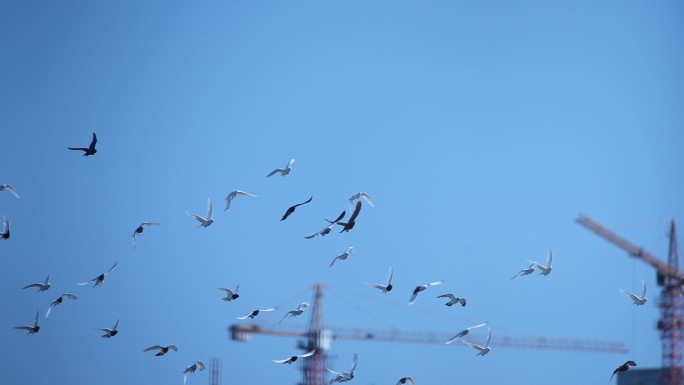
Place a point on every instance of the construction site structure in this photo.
(670, 279)
(320, 337)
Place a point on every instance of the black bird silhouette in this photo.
(87, 151)
(346, 226)
(292, 208)
(623, 368)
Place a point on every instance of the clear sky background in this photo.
(481, 129)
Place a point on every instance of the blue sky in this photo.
(480, 129)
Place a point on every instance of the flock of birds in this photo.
(232, 294)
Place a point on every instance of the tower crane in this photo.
(670, 278)
(320, 338)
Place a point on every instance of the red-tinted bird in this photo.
(346, 226)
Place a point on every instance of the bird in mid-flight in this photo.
(384, 288)
(638, 300)
(292, 209)
(140, 229)
(42, 286)
(58, 301)
(545, 270)
(294, 358)
(31, 329)
(483, 349)
(328, 229)
(420, 289)
(363, 195)
(235, 193)
(525, 271)
(405, 380)
(230, 294)
(90, 150)
(192, 368)
(99, 280)
(162, 349)
(9, 188)
(298, 311)
(465, 332)
(283, 171)
(453, 299)
(623, 368)
(345, 376)
(204, 222)
(346, 226)
(343, 256)
(109, 333)
(255, 313)
(5, 234)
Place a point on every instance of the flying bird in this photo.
(345, 376)
(453, 299)
(328, 229)
(31, 329)
(294, 358)
(99, 280)
(5, 234)
(420, 289)
(465, 332)
(525, 271)
(545, 270)
(638, 300)
(87, 151)
(623, 368)
(255, 313)
(230, 294)
(292, 209)
(162, 349)
(42, 286)
(235, 193)
(283, 171)
(343, 256)
(405, 380)
(482, 349)
(204, 222)
(59, 301)
(298, 311)
(192, 368)
(109, 333)
(9, 188)
(346, 226)
(384, 288)
(140, 229)
(363, 195)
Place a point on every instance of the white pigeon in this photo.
(109, 333)
(482, 349)
(59, 301)
(5, 234)
(33, 329)
(99, 280)
(420, 289)
(235, 193)
(42, 286)
(192, 368)
(545, 270)
(384, 288)
(465, 332)
(345, 376)
(283, 171)
(255, 313)
(525, 271)
(162, 349)
(9, 188)
(328, 229)
(405, 380)
(363, 195)
(140, 229)
(638, 300)
(204, 222)
(294, 358)
(298, 311)
(230, 294)
(343, 256)
(453, 299)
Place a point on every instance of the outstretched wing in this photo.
(210, 208)
(159, 347)
(643, 289)
(632, 296)
(357, 209)
(355, 360)
(93, 142)
(307, 354)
